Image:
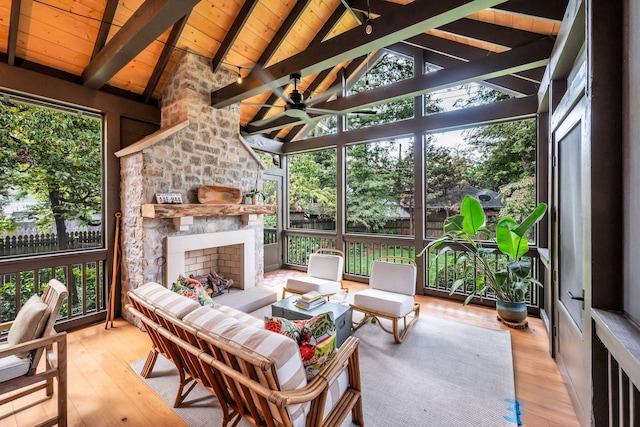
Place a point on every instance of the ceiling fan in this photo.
(296, 107)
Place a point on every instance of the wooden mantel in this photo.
(180, 210)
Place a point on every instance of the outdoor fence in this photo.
(48, 242)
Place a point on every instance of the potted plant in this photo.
(510, 282)
(253, 195)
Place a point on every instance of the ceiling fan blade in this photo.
(341, 113)
(353, 13)
(308, 120)
(332, 90)
(268, 119)
(257, 104)
(265, 77)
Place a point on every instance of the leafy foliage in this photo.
(56, 158)
(510, 282)
(312, 183)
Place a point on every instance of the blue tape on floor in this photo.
(516, 412)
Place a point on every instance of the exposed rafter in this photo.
(295, 13)
(12, 41)
(105, 26)
(496, 65)
(283, 31)
(151, 19)
(232, 33)
(412, 19)
(547, 9)
(167, 50)
(490, 33)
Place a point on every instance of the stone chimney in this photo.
(209, 150)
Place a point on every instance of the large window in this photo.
(380, 188)
(312, 190)
(495, 163)
(50, 180)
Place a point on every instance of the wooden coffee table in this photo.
(341, 313)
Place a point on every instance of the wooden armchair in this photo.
(19, 375)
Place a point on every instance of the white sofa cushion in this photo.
(240, 315)
(393, 277)
(390, 303)
(157, 295)
(12, 366)
(306, 284)
(281, 350)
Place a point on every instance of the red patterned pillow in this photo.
(316, 338)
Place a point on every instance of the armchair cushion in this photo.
(29, 323)
(389, 303)
(304, 284)
(324, 266)
(12, 366)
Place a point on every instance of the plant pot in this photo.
(512, 311)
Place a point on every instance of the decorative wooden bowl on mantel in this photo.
(219, 195)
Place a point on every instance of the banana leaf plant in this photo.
(509, 282)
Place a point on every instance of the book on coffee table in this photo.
(308, 305)
(311, 296)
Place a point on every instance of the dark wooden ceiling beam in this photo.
(510, 109)
(514, 60)
(490, 33)
(462, 52)
(232, 34)
(283, 31)
(151, 19)
(327, 27)
(512, 84)
(412, 19)
(165, 56)
(105, 26)
(547, 9)
(14, 22)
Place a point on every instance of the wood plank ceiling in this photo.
(129, 47)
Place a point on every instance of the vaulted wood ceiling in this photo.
(129, 46)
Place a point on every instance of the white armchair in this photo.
(324, 274)
(392, 287)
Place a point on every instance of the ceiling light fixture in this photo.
(368, 27)
(239, 76)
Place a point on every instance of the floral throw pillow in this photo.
(316, 338)
(282, 326)
(192, 289)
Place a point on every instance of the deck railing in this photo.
(360, 251)
(82, 273)
(617, 393)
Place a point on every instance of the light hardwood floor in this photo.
(104, 391)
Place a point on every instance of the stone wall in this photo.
(209, 151)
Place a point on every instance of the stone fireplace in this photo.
(196, 145)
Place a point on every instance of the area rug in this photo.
(446, 373)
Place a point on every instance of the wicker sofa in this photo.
(256, 374)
